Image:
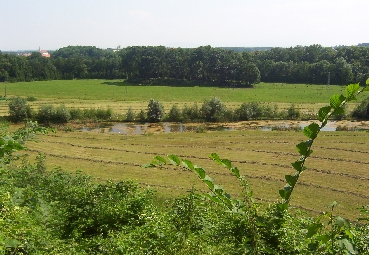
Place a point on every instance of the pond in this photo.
(174, 127)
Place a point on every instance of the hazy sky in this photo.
(52, 24)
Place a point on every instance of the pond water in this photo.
(171, 127)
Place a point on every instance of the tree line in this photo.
(312, 64)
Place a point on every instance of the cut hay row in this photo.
(263, 157)
(329, 172)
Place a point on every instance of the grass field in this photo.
(338, 169)
(107, 94)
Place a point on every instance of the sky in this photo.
(53, 24)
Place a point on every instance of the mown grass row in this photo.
(118, 157)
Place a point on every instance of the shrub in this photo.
(142, 116)
(76, 114)
(191, 113)
(31, 99)
(175, 114)
(155, 111)
(293, 113)
(19, 110)
(130, 116)
(46, 114)
(361, 112)
(249, 111)
(213, 110)
(102, 114)
(61, 115)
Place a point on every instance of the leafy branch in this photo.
(336, 107)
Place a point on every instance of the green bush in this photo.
(31, 99)
(61, 115)
(175, 114)
(293, 113)
(102, 114)
(46, 114)
(213, 110)
(130, 115)
(248, 111)
(191, 113)
(76, 114)
(155, 111)
(361, 112)
(142, 116)
(19, 110)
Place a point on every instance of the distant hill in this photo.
(363, 45)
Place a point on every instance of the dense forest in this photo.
(203, 65)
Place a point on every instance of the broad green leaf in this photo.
(188, 164)
(336, 101)
(324, 238)
(345, 243)
(284, 194)
(313, 229)
(200, 171)
(303, 147)
(282, 206)
(174, 160)
(214, 157)
(351, 91)
(287, 188)
(218, 190)
(214, 198)
(227, 163)
(297, 165)
(161, 159)
(291, 180)
(367, 81)
(236, 172)
(312, 130)
(338, 111)
(323, 112)
(209, 182)
(340, 222)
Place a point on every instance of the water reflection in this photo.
(171, 127)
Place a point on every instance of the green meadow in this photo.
(119, 96)
(120, 91)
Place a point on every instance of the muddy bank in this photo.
(170, 127)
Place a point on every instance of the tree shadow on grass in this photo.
(174, 83)
(117, 83)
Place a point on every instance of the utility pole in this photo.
(5, 87)
(329, 79)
